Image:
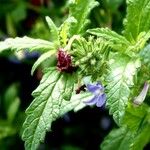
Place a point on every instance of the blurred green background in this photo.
(84, 130)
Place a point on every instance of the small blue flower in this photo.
(99, 96)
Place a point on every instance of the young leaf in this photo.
(119, 80)
(118, 139)
(64, 30)
(48, 105)
(80, 9)
(137, 19)
(17, 44)
(53, 30)
(41, 59)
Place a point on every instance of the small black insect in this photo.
(81, 88)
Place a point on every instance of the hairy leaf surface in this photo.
(42, 58)
(17, 44)
(49, 104)
(80, 9)
(53, 30)
(115, 40)
(137, 19)
(119, 81)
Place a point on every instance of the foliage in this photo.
(122, 73)
(98, 55)
(136, 21)
(133, 134)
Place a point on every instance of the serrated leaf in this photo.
(48, 105)
(43, 110)
(53, 30)
(80, 9)
(119, 80)
(115, 40)
(42, 58)
(117, 139)
(137, 19)
(18, 43)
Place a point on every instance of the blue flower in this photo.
(99, 96)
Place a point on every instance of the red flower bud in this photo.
(64, 63)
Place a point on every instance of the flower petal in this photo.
(92, 101)
(141, 97)
(95, 89)
(101, 100)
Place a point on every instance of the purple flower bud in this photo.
(141, 97)
(99, 97)
(64, 63)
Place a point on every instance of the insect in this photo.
(81, 88)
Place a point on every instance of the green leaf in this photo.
(117, 139)
(10, 26)
(42, 58)
(137, 19)
(80, 9)
(43, 110)
(113, 5)
(124, 139)
(145, 55)
(53, 30)
(119, 80)
(13, 109)
(135, 116)
(64, 30)
(135, 47)
(6, 129)
(11, 102)
(142, 138)
(114, 38)
(17, 44)
(48, 105)
(138, 121)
